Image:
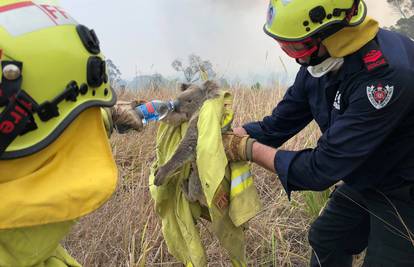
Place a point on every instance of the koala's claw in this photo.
(159, 178)
(186, 192)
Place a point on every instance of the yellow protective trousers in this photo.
(36, 246)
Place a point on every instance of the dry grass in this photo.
(126, 231)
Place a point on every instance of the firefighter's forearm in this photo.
(264, 156)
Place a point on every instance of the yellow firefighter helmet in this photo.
(296, 20)
(51, 70)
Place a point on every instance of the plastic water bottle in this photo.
(155, 110)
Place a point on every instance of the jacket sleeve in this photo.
(348, 143)
(107, 120)
(290, 116)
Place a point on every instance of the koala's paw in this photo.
(187, 195)
(160, 177)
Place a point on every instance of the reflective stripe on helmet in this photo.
(32, 17)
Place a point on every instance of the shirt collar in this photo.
(352, 64)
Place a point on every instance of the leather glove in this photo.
(238, 147)
(125, 117)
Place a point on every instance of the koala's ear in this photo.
(210, 86)
(184, 86)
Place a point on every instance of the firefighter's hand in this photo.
(125, 117)
(240, 131)
(238, 147)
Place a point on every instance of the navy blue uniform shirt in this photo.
(366, 118)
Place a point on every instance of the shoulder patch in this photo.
(374, 59)
(221, 199)
(379, 96)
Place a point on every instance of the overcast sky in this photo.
(146, 36)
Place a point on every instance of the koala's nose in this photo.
(176, 105)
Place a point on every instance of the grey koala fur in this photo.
(191, 99)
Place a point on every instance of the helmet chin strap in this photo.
(314, 59)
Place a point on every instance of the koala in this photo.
(190, 100)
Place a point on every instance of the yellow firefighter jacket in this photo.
(228, 187)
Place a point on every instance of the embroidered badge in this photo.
(379, 96)
(374, 59)
(337, 101)
(221, 199)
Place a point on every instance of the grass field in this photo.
(127, 232)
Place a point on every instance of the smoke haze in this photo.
(146, 36)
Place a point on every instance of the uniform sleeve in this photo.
(290, 116)
(108, 122)
(349, 142)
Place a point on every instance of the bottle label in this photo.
(149, 112)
